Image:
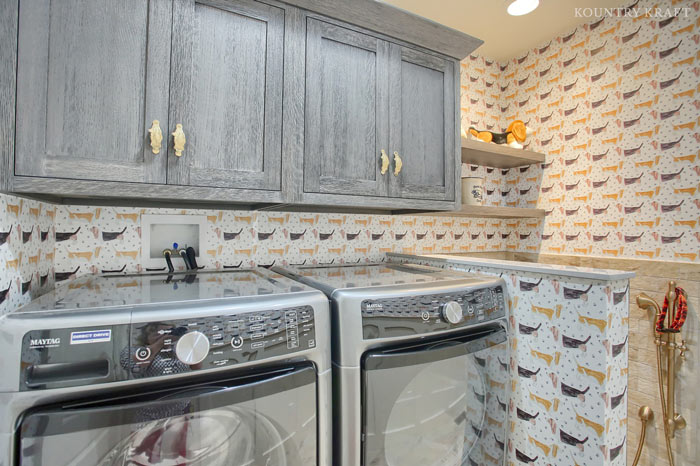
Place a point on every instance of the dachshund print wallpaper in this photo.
(26, 250)
(615, 106)
(568, 367)
(103, 239)
(77, 240)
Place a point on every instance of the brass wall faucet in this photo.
(665, 338)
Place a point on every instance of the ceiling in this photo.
(505, 36)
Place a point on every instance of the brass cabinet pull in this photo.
(385, 162)
(156, 137)
(398, 164)
(179, 140)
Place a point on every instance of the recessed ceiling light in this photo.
(522, 7)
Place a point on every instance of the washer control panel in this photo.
(167, 347)
(414, 315)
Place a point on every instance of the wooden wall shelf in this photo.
(498, 156)
(490, 212)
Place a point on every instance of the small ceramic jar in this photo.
(472, 190)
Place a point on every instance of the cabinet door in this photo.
(226, 92)
(422, 116)
(92, 76)
(346, 125)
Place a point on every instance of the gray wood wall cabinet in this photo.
(226, 91)
(423, 125)
(87, 88)
(347, 111)
(278, 104)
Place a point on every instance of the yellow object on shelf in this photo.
(514, 136)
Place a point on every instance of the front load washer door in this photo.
(441, 403)
(267, 419)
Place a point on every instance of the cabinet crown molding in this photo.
(397, 23)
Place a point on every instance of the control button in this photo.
(425, 315)
(257, 336)
(236, 342)
(257, 344)
(143, 353)
(452, 312)
(192, 348)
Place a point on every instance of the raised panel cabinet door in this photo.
(346, 110)
(92, 76)
(226, 92)
(423, 125)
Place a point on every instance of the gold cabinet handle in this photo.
(156, 137)
(179, 140)
(385, 162)
(398, 164)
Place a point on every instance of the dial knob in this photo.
(452, 312)
(192, 348)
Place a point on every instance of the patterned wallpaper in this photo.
(78, 240)
(569, 366)
(99, 239)
(615, 108)
(26, 250)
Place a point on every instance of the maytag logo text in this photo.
(44, 342)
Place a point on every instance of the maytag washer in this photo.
(420, 364)
(228, 368)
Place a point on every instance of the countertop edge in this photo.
(554, 269)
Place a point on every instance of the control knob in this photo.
(192, 348)
(452, 312)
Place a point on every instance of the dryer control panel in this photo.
(183, 345)
(419, 314)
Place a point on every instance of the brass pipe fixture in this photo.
(672, 421)
(675, 421)
(645, 415)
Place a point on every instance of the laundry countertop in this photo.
(497, 261)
